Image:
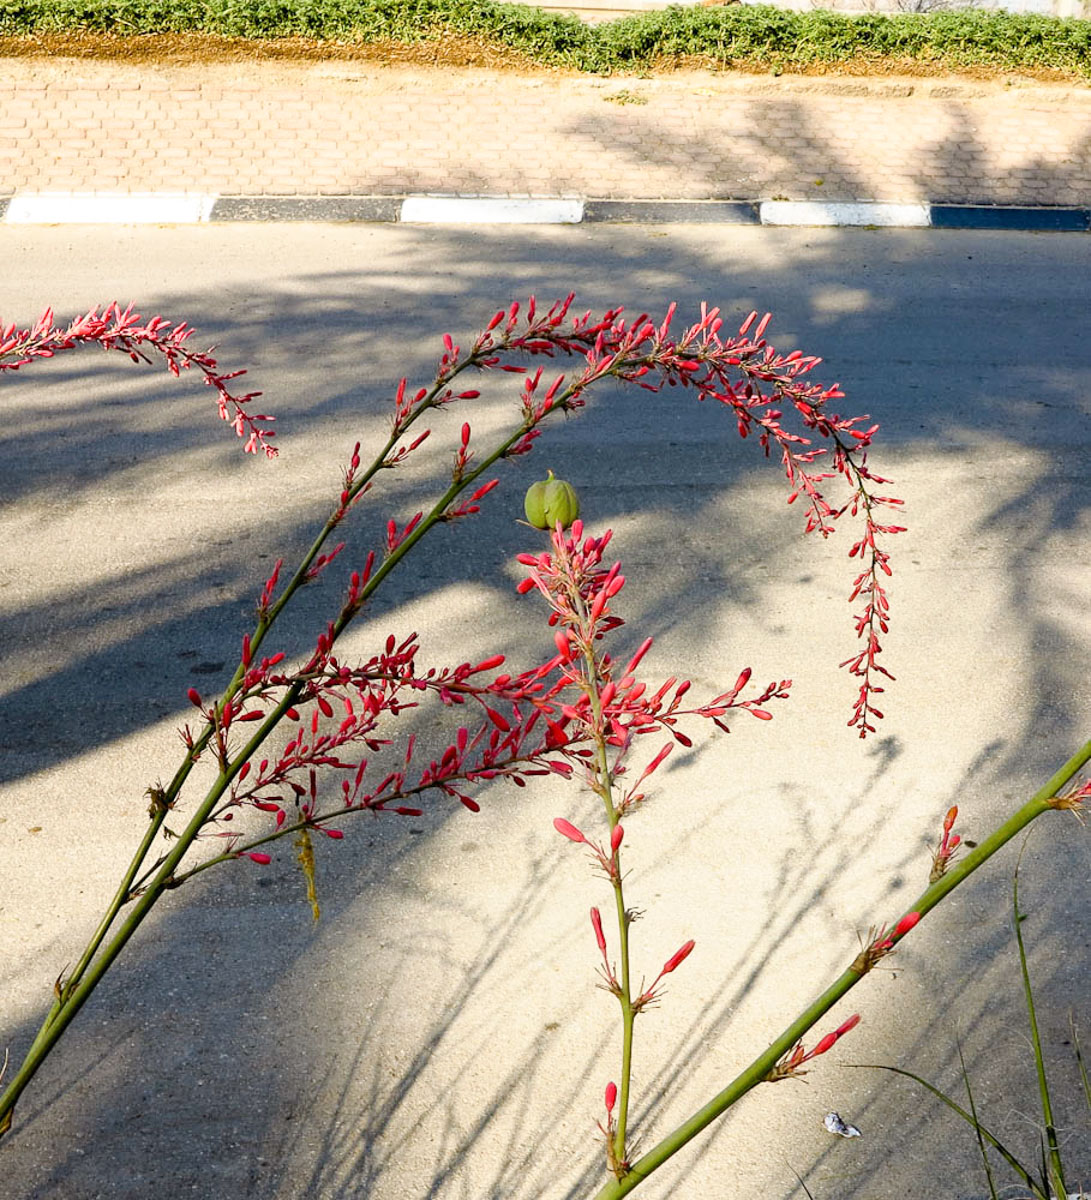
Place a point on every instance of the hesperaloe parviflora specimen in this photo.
(550, 719)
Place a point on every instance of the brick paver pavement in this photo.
(271, 128)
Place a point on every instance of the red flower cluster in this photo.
(948, 844)
(790, 1065)
(122, 329)
(881, 943)
(615, 705)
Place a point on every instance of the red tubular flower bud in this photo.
(484, 489)
(611, 1097)
(568, 830)
(678, 957)
(615, 838)
(949, 820)
(634, 662)
(596, 924)
(257, 856)
(906, 924)
(824, 1044)
(194, 697)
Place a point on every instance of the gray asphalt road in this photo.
(438, 1033)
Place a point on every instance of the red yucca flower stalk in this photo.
(562, 717)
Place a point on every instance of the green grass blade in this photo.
(976, 1123)
(1079, 1061)
(1055, 1172)
(989, 1137)
(801, 1183)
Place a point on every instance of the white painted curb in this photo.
(107, 208)
(490, 210)
(812, 212)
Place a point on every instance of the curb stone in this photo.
(175, 208)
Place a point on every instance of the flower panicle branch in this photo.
(350, 705)
(115, 328)
(948, 846)
(653, 993)
(617, 1167)
(285, 790)
(612, 709)
(745, 374)
(620, 707)
(790, 1066)
(758, 385)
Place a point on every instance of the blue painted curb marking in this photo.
(966, 216)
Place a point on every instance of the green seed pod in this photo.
(549, 501)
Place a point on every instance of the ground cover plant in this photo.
(301, 742)
(734, 36)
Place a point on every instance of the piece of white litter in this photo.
(835, 1124)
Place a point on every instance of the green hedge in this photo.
(733, 35)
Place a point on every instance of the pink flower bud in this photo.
(824, 1044)
(596, 924)
(611, 1097)
(616, 834)
(258, 857)
(568, 830)
(906, 924)
(634, 662)
(678, 957)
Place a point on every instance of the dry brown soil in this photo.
(441, 53)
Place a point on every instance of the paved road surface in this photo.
(438, 1033)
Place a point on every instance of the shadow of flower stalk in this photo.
(573, 715)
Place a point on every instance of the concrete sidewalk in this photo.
(323, 129)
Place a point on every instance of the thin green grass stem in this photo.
(1055, 1172)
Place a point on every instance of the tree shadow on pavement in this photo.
(404, 1046)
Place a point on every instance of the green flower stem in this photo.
(764, 1063)
(604, 787)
